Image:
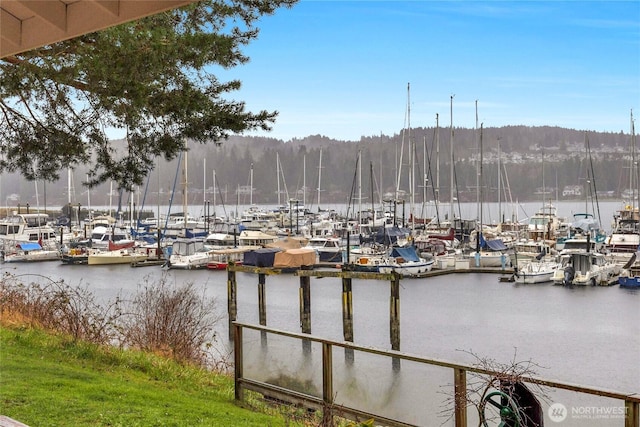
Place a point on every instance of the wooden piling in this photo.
(305, 304)
(347, 309)
(262, 299)
(305, 311)
(232, 300)
(394, 326)
(347, 317)
(394, 319)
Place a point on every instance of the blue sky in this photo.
(341, 68)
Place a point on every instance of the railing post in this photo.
(632, 414)
(237, 359)
(232, 300)
(327, 385)
(460, 397)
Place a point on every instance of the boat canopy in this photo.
(408, 253)
(388, 235)
(28, 246)
(585, 222)
(263, 257)
(294, 258)
(494, 244)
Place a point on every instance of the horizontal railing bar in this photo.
(630, 397)
(313, 402)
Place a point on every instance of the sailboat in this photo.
(624, 240)
(488, 253)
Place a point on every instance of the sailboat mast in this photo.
(110, 196)
(69, 187)
(451, 189)
(478, 165)
(632, 172)
(373, 205)
(214, 194)
(499, 181)
(251, 186)
(319, 176)
(184, 190)
(412, 148)
(633, 143)
(278, 176)
(480, 192)
(359, 188)
(424, 175)
(304, 180)
(88, 200)
(437, 159)
(399, 162)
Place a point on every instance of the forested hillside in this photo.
(530, 158)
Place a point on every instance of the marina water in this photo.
(588, 336)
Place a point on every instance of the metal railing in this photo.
(330, 408)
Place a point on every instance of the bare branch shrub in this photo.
(172, 321)
(497, 376)
(58, 307)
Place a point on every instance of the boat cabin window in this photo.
(36, 221)
(9, 229)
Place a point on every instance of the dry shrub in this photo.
(175, 322)
(58, 307)
(172, 321)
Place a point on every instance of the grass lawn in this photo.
(49, 380)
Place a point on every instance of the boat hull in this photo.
(220, 265)
(629, 282)
(32, 257)
(74, 259)
(410, 268)
(110, 258)
(536, 272)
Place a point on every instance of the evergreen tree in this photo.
(152, 79)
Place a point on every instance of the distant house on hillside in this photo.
(572, 191)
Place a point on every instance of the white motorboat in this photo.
(30, 227)
(188, 254)
(30, 252)
(328, 249)
(534, 271)
(405, 261)
(586, 268)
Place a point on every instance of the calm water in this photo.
(588, 336)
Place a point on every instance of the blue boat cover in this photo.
(29, 246)
(408, 253)
(261, 257)
(494, 245)
(190, 234)
(390, 235)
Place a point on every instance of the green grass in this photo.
(49, 380)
